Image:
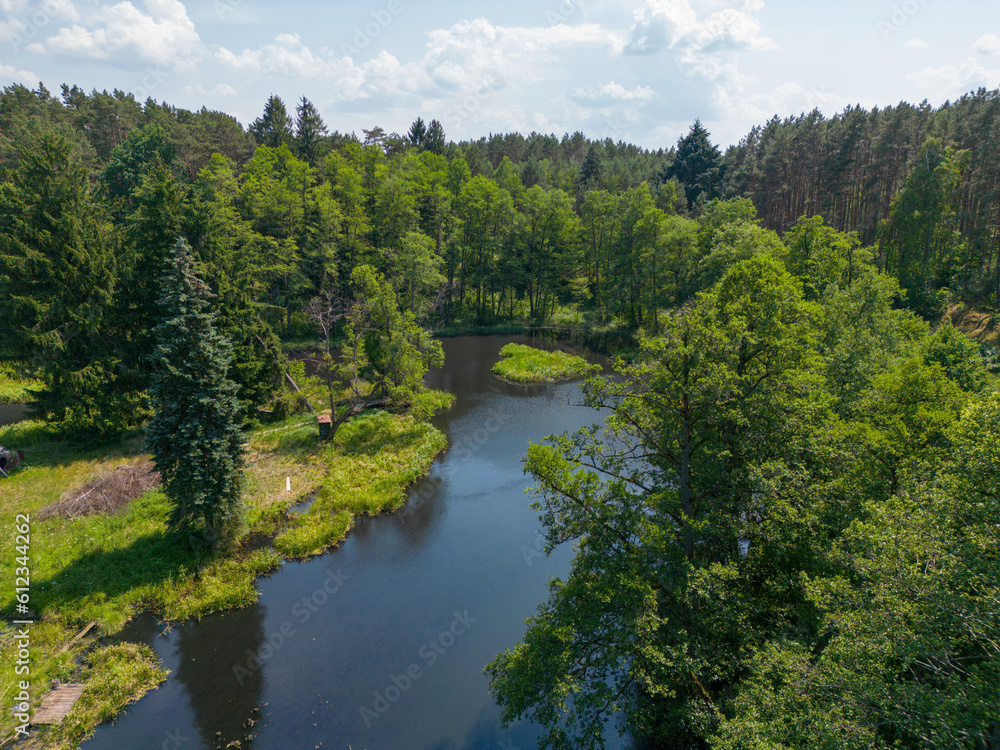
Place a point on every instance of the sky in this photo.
(639, 71)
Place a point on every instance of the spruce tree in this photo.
(434, 139)
(417, 133)
(697, 165)
(194, 434)
(310, 131)
(274, 127)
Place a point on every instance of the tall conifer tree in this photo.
(194, 435)
(310, 130)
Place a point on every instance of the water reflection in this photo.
(222, 664)
(456, 551)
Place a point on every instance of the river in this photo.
(381, 643)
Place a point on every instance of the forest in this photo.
(788, 534)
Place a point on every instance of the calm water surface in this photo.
(381, 643)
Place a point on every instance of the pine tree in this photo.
(590, 172)
(310, 130)
(194, 434)
(697, 165)
(58, 275)
(274, 127)
(417, 133)
(434, 139)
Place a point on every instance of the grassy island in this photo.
(525, 364)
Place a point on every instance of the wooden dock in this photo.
(57, 703)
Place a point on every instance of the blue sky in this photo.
(634, 70)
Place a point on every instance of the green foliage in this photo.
(274, 127)
(58, 272)
(658, 503)
(697, 165)
(862, 334)
(922, 229)
(820, 255)
(957, 355)
(194, 434)
(145, 150)
(525, 364)
(753, 571)
(310, 131)
(15, 388)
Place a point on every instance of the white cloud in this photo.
(163, 34)
(459, 61)
(220, 89)
(25, 23)
(988, 44)
(950, 81)
(739, 110)
(917, 44)
(286, 56)
(10, 73)
(675, 25)
(60, 9)
(614, 92)
(11, 29)
(473, 53)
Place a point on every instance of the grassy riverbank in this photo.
(106, 568)
(526, 364)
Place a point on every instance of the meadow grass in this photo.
(108, 568)
(14, 388)
(525, 364)
(367, 467)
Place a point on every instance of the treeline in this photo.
(922, 184)
(95, 188)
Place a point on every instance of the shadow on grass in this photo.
(48, 446)
(96, 577)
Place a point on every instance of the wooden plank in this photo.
(57, 703)
(78, 636)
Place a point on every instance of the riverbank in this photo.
(108, 568)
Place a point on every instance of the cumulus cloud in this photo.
(917, 44)
(221, 89)
(26, 23)
(988, 44)
(469, 56)
(676, 25)
(10, 73)
(613, 92)
(288, 57)
(12, 29)
(949, 81)
(161, 34)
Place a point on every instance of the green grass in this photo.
(525, 364)
(116, 676)
(368, 466)
(16, 389)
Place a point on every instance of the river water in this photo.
(381, 643)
